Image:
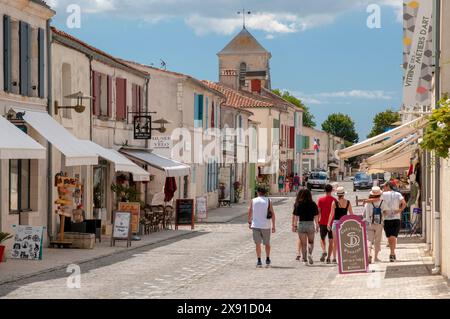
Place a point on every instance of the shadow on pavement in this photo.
(87, 266)
(399, 271)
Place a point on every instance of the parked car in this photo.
(362, 181)
(317, 180)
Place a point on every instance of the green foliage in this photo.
(437, 133)
(125, 193)
(383, 121)
(308, 118)
(4, 237)
(341, 125)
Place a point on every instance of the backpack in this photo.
(376, 214)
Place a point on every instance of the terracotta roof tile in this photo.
(240, 99)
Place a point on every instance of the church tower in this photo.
(244, 64)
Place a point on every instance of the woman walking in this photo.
(305, 221)
(339, 209)
(373, 218)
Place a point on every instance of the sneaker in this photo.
(392, 258)
(395, 257)
(298, 258)
(259, 264)
(322, 259)
(335, 261)
(305, 261)
(310, 260)
(268, 262)
(328, 261)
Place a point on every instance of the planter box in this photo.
(80, 240)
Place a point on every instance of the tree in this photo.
(383, 121)
(342, 126)
(308, 118)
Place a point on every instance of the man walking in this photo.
(261, 219)
(296, 182)
(393, 206)
(324, 205)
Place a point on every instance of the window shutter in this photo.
(109, 101)
(292, 138)
(213, 111)
(207, 112)
(256, 86)
(96, 92)
(141, 99)
(7, 53)
(25, 66)
(200, 107)
(121, 91)
(134, 100)
(41, 57)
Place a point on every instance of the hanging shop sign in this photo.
(352, 245)
(28, 242)
(135, 210)
(184, 214)
(201, 207)
(121, 227)
(142, 127)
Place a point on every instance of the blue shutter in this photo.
(41, 69)
(200, 108)
(7, 54)
(25, 65)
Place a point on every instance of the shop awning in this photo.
(121, 163)
(15, 144)
(374, 144)
(407, 144)
(75, 151)
(170, 167)
(402, 161)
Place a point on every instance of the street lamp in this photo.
(79, 107)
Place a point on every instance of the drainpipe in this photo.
(437, 179)
(147, 80)
(49, 146)
(91, 94)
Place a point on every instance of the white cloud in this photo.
(342, 97)
(220, 16)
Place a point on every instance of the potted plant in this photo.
(437, 133)
(3, 237)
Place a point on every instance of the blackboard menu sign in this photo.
(352, 245)
(184, 212)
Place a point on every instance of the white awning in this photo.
(121, 163)
(15, 144)
(75, 151)
(402, 161)
(382, 141)
(408, 144)
(170, 167)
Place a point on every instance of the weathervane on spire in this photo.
(243, 12)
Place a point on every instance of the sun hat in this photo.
(376, 191)
(340, 191)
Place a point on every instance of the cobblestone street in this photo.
(218, 261)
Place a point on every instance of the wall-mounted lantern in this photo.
(79, 107)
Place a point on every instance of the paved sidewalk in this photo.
(227, 214)
(53, 258)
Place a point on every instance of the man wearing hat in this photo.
(373, 218)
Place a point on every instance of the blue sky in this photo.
(323, 51)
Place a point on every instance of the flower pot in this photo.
(2, 252)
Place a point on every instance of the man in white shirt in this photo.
(393, 206)
(261, 225)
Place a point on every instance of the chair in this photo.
(168, 217)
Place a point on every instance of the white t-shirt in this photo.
(260, 206)
(391, 203)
